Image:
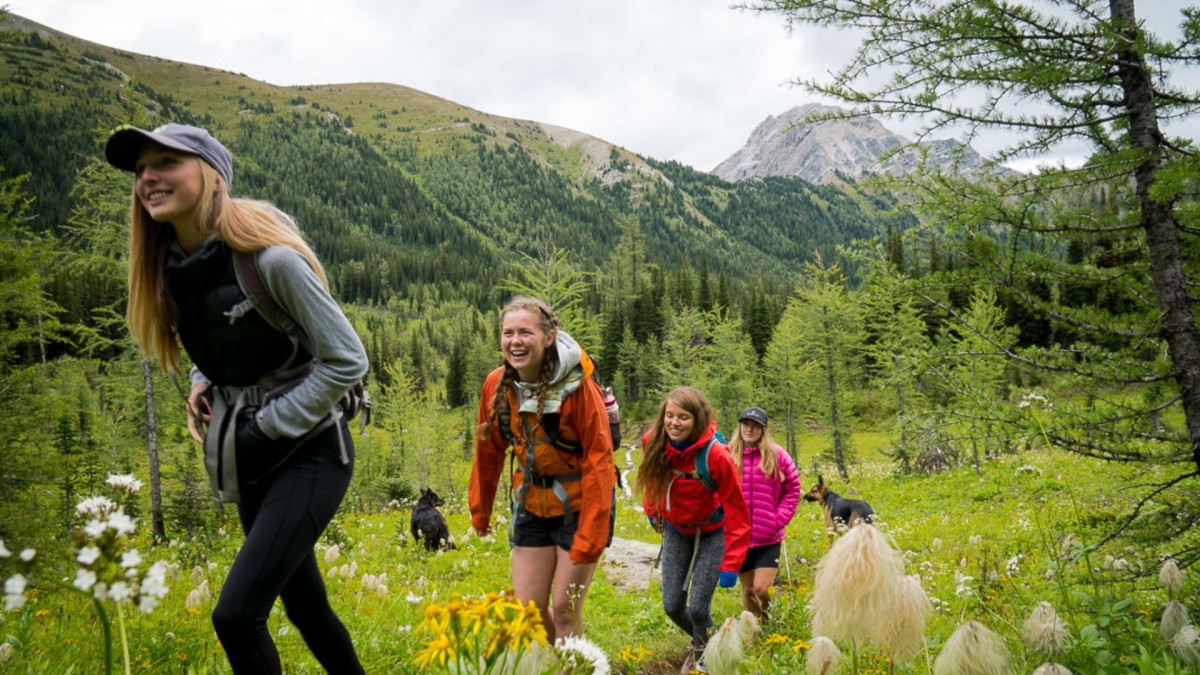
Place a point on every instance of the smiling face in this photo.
(169, 184)
(523, 342)
(751, 432)
(678, 422)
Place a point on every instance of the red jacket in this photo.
(581, 418)
(689, 504)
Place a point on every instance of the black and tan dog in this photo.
(840, 513)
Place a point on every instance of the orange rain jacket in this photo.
(582, 418)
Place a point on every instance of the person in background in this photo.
(276, 443)
(544, 404)
(771, 486)
(690, 491)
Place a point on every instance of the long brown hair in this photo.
(548, 322)
(243, 224)
(654, 473)
(768, 461)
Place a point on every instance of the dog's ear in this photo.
(820, 479)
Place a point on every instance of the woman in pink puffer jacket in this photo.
(771, 487)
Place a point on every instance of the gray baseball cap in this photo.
(754, 415)
(125, 145)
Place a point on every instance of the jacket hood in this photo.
(573, 368)
(673, 452)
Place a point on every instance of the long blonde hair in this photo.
(654, 473)
(548, 322)
(768, 452)
(243, 224)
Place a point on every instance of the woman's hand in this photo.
(199, 412)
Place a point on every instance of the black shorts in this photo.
(533, 531)
(761, 556)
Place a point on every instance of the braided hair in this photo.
(548, 322)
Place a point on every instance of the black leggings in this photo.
(282, 515)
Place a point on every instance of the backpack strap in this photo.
(701, 471)
(249, 277)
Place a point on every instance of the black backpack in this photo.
(249, 277)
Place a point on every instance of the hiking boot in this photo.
(698, 666)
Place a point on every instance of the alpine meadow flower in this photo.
(87, 555)
(14, 592)
(1185, 645)
(1171, 577)
(580, 655)
(1045, 632)
(27, 555)
(973, 649)
(906, 630)
(6, 651)
(854, 590)
(4, 552)
(84, 580)
(823, 657)
(726, 648)
(125, 484)
(1175, 616)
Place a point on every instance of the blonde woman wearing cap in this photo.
(771, 487)
(276, 441)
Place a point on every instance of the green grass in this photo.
(1015, 531)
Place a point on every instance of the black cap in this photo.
(754, 415)
(125, 146)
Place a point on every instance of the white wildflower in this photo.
(14, 592)
(120, 592)
(413, 598)
(4, 552)
(823, 657)
(381, 590)
(96, 507)
(575, 651)
(6, 650)
(121, 523)
(124, 483)
(332, 553)
(1052, 669)
(84, 579)
(1014, 563)
(155, 582)
(100, 591)
(131, 558)
(88, 555)
(27, 555)
(1045, 632)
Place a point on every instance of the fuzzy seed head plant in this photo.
(1175, 616)
(973, 649)
(1185, 645)
(1045, 632)
(723, 654)
(906, 633)
(824, 657)
(855, 589)
(1171, 577)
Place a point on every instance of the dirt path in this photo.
(628, 563)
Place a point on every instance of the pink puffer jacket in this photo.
(771, 501)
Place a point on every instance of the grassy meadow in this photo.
(987, 547)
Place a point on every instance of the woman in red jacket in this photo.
(544, 404)
(690, 491)
(771, 486)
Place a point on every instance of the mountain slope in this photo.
(812, 142)
(400, 190)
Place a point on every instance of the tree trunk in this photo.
(839, 452)
(156, 508)
(1158, 220)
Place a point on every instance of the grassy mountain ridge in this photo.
(397, 187)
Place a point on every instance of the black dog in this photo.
(839, 512)
(428, 524)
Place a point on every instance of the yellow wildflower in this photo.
(436, 653)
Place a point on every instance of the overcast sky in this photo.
(686, 80)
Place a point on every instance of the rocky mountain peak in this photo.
(795, 144)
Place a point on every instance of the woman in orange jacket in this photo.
(691, 491)
(544, 404)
